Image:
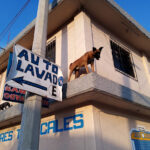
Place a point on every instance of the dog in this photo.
(4, 105)
(87, 58)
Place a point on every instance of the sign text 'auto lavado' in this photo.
(32, 73)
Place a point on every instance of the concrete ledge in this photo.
(12, 114)
(117, 90)
(93, 81)
(89, 88)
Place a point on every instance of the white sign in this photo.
(32, 73)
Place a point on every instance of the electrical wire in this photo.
(7, 28)
(2, 48)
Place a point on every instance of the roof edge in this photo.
(128, 17)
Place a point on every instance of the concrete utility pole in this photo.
(31, 118)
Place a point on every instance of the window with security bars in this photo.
(51, 50)
(122, 59)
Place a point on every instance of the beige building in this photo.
(108, 109)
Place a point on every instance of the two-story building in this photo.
(108, 109)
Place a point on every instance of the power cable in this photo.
(2, 48)
(6, 29)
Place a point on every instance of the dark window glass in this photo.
(122, 59)
(51, 50)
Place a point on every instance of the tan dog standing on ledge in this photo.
(87, 58)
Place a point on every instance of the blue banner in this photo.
(140, 140)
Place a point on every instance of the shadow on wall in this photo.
(64, 53)
(73, 142)
(67, 140)
(73, 138)
(13, 146)
(128, 94)
(62, 139)
(131, 121)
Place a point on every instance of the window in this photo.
(50, 51)
(122, 59)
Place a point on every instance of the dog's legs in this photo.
(92, 66)
(76, 73)
(87, 69)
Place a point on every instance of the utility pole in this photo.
(31, 117)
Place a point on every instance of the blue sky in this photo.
(8, 9)
(138, 9)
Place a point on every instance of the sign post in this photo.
(31, 117)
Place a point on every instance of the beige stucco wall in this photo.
(104, 128)
(67, 139)
(115, 128)
(72, 42)
(81, 35)
(106, 68)
(2, 83)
